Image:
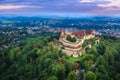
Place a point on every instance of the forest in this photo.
(38, 59)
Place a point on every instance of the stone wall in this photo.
(74, 48)
(89, 36)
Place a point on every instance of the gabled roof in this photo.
(78, 33)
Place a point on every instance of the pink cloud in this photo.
(87, 1)
(8, 7)
(112, 3)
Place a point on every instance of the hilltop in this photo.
(39, 59)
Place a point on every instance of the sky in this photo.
(93, 7)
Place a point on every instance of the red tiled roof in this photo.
(78, 33)
(88, 32)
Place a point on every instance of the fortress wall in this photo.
(77, 49)
(76, 45)
(89, 36)
(69, 53)
(73, 44)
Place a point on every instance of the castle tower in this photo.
(84, 31)
(93, 32)
(67, 32)
(62, 36)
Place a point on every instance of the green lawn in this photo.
(73, 59)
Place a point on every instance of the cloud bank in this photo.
(9, 7)
(61, 6)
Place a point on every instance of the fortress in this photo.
(75, 48)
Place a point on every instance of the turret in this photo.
(93, 32)
(67, 32)
(62, 36)
(84, 31)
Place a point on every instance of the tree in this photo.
(102, 76)
(62, 59)
(117, 77)
(73, 39)
(88, 64)
(101, 49)
(69, 38)
(90, 76)
(72, 76)
(75, 66)
(101, 61)
(101, 69)
(52, 78)
(59, 70)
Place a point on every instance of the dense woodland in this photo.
(39, 59)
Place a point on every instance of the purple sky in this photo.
(99, 7)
